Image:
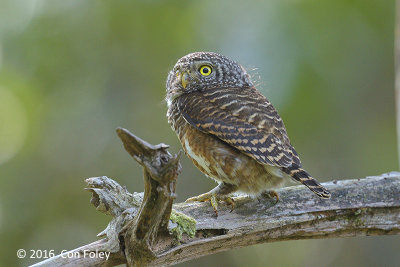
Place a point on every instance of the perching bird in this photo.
(230, 131)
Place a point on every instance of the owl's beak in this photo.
(185, 79)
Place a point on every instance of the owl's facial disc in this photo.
(200, 71)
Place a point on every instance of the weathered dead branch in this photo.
(143, 230)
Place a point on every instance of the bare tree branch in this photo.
(139, 233)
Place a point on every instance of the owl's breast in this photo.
(213, 157)
(224, 163)
(221, 161)
(175, 119)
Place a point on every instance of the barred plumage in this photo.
(250, 124)
(303, 177)
(230, 130)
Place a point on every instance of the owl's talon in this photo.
(214, 204)
(229, 201)
(271, 194)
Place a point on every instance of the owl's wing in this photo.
(243, 118)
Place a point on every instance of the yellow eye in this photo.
(205, 70)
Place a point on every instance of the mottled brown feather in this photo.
(242, 118)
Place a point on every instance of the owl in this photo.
(230, 131)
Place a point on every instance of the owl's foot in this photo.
(271, 194)
(219, 193)
(214, 199)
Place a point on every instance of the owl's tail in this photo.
(303, 177)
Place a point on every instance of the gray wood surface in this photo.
(358, 207)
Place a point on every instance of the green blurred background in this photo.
(72, 71)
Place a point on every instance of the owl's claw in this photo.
(219, 193)
(271, 194)
(214, 199)
(231, 202)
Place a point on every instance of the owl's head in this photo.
(205, 70)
